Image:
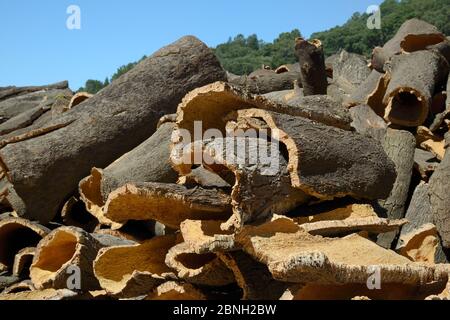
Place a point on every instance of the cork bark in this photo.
(408, 97)
(327, 162)
(138, 268)
(313, 76)
(440, 197)
(149, 162)
(64, 250)
(45, 170)
(256, 169)
(413, 35)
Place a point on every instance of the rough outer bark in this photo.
(350, 70)
(253, 277)
(440, 197)
(22, 120)
(169, 204)
(400, 147)
(172, 291)
(295, 256)
(255, 168)
(200, 269)
(46, 169)
(60, 105)
(413, 35)
(64, 249)
(265, 81)
(16, 234)
(149, 162)
(439, 119)
(327, 162)
(13, 107)
(22, 262)
(371, 92)
(368, 123)
(138, 269)
(8, 92)
(425, 163)
(313, 75)
(408, 97)
(204, 178)
(319, 108)
(212, 103)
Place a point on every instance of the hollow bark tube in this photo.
(313, 73)
(45, 170)
(408, 96)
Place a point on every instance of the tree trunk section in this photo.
(45, 170)
(313, 73)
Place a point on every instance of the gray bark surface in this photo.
(45, 170)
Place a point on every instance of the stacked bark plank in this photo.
(182, 182)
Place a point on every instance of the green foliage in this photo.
(354, 36)
(92, 86)
(243, 55)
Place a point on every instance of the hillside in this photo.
(242, 55)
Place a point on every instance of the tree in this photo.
(92, 86)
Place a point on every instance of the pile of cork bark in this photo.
(153, 188)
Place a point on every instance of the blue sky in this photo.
(37, 48)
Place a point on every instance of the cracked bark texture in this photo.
(265, 81)
(371, 92)
(253, 277)
(350, 70)
(292, 255)
(169, 204)
(149, 162)
(313, 76)
(46, 169)
(400, 147)
(440, 197)
(255, 168)
(368, 123)
(327, 162)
